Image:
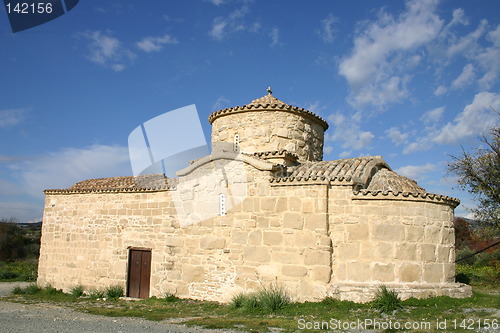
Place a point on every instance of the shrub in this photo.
(29, 290)
(76, 291)
(114, 292)
(169, 297)
(273, 298)
(97, 293)
(8, 275)
(386, 300)
(17, 290)
(49, 290)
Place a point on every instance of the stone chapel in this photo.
(262, 208)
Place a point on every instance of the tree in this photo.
(479, 174)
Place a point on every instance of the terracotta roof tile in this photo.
(387, 180)
(267, 103)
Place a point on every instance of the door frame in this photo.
(129, 266)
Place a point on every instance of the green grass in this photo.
(214, 315)
(269, 299)
(18, 271)
(386, 301)
(485, 277)
(114, 292)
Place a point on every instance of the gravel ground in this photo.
(36, 318)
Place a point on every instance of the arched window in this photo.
(236, 142)
(222, 205)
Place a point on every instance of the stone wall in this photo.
(272, 131)
(406, 243)
(272, 235)
(314, 237)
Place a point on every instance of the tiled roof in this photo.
(118, 184)
(276, 153)
(387, 180)
(357, 170)
(111, 182)
(267, 103)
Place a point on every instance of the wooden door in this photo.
(139, 273)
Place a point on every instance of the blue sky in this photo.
(412, 81)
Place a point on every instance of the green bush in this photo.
(271, 299)
(114, 292)
(49, 290)
(462, 278)
(97, 293)
(386, 300)
(32, 289)
(76, 291)
(169, 297)
(18, 271)
(8, 275)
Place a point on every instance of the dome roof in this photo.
(267, 103)
(386, 180)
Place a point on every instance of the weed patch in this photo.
(386, 301)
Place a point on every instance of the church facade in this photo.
(262, 208)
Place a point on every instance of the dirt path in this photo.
(37, 318)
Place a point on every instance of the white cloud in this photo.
(221, 103)
(475, 119)
(327, 32)
(12, 117)
(465, 78)
(441, 90)
(216, 2)
(154, 44)
(347, 131)
(433, 116)
(64, 168)
(275, 36)
(459, 18)
(327, 149)
(416, 172)
(107, 50)
(396, 136)
(22, 211)
(468, 44)
(382, 52)
(224, 26)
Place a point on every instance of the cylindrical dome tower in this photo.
(269, 125)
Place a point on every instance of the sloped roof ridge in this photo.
(405, 194)
(358, 169)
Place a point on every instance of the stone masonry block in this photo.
(193, 273)
(295, 203)
(295, 271)
(315, 221)
(357, 232)
(293, 221)
(409, 272)
(406, 251)
(321, 274)
(287, 257)
(414, 234)
(212, 242)
(358, 271)
(428, 252)
(273, 238)
(433, 273)
(383, 272)
(317, 258)
(256, 253)
(386, 232)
